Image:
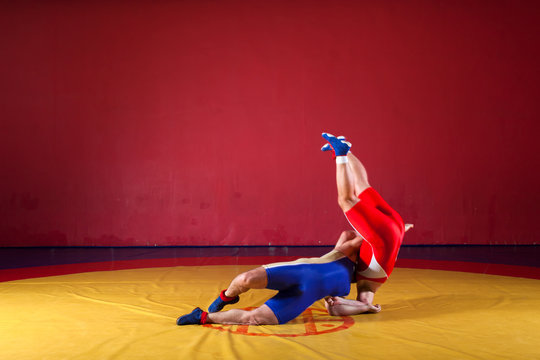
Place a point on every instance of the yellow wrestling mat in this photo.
(131, 314)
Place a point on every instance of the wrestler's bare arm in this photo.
(338, 306)
(348, 244)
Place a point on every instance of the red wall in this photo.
(198, 122)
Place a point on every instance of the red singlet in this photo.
(382, 229)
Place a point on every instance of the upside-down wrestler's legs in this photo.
(359, 173)
(351, 176)
(345, 186)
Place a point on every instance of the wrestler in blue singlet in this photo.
(302, 282)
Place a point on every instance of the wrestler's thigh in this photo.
(374, 225)
(284, 276)
(288, 304)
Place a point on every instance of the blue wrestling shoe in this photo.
(221, 301)
(339, 144)
(196, 317)
(327, 147)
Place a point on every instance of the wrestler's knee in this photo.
(260, 316)
(255, 277)
(252, 319)
(346, 202)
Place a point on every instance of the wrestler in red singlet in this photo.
(382, 229)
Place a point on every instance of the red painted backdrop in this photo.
(198, 122)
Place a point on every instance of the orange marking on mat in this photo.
(309, 323)
(242, 329)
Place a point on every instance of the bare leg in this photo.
(260, 316)
(346, 186)
(253, 279)
(359, 174)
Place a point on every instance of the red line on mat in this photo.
(65, 269)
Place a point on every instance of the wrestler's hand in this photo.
(328, 301)
(331, 306)
(337, 306)
(334, 300)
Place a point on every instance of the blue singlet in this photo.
(301, 284)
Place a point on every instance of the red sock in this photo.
(224, 297)
(204, 315)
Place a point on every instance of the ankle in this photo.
(204, 318)
(342, 159)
